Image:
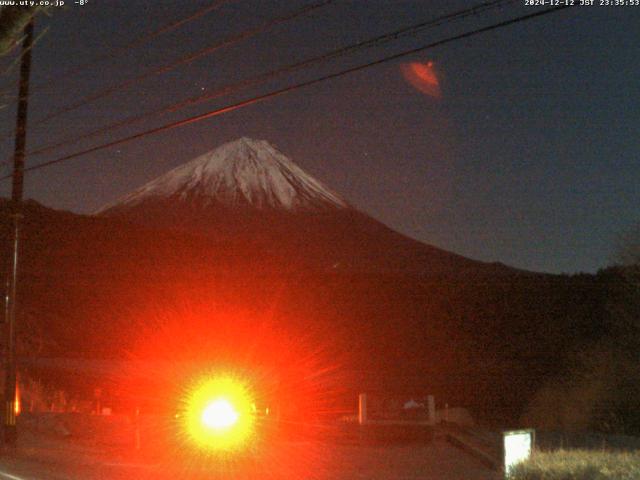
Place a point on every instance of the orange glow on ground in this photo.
(423, 77)
(218, 414)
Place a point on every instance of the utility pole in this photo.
(10, 390)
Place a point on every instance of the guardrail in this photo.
(409, 411)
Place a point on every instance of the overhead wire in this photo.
(264, 77)
(4, 91)
(282, 91)
(116, 51)
(7, 99)
(18, 58)
(226, 42)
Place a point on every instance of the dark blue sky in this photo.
(529, 158)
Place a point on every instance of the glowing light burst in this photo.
(204, 368)
(218, 415)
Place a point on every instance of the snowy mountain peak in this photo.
(241, 173)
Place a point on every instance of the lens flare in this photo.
(233, 393)
(423, 77)
(219, 414)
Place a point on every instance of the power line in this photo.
(262, 78)
(276, 93)
(116, 51)
(16, 61)
(231, 40)
(4, 91)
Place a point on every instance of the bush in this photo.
(579, 465)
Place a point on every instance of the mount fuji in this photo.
(243, 174)
(248, 192)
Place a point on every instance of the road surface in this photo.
(435, 461)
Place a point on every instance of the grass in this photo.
(579, 465)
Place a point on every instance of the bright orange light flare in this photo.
(218, 414)
(423, 77)
(196, 359)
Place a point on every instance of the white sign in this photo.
(518, 446)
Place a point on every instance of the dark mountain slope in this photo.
(486, 337)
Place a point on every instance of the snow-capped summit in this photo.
(239, 174)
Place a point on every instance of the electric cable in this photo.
(116, 51)
(278, 92)
(264, 77)
(226, 42)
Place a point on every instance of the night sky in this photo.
(528, 156)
